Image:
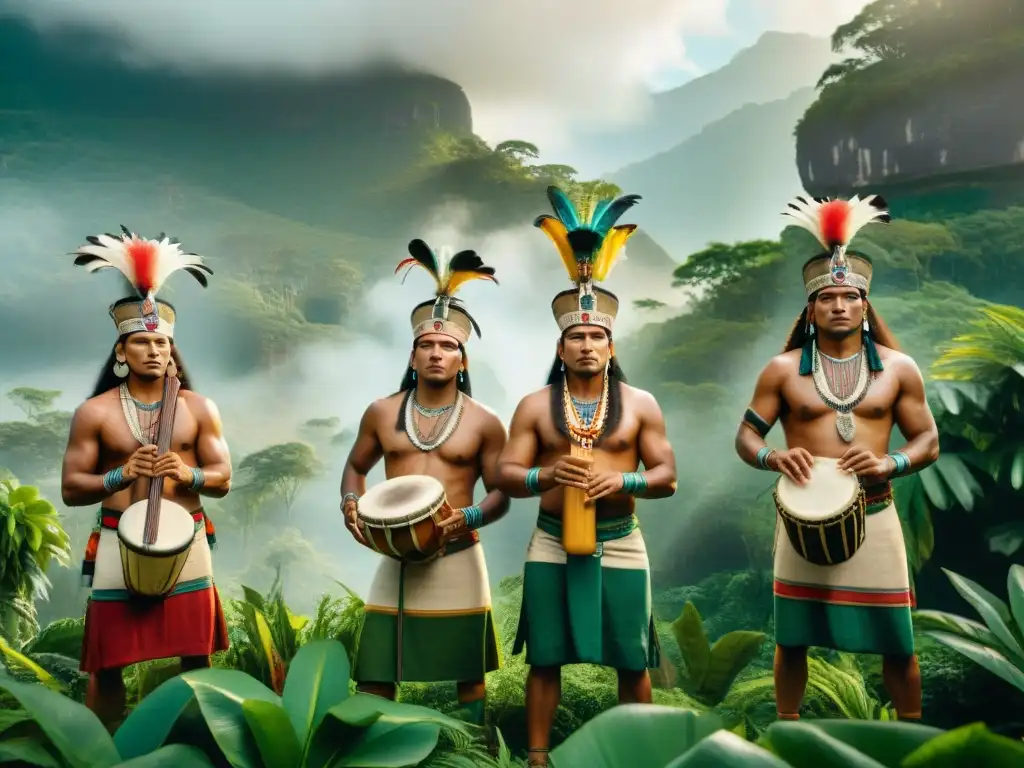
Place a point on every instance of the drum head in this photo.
(401, 500)
(829, 491)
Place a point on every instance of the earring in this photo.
(120, 368)
(810, 329)
(460, 376)
(414, 374)
(867, 327)
(172, 368)
(563, 366)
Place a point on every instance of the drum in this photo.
(400, 517)
(824, 518)
(152, 570)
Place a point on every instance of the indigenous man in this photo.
(432, 622)
(584, 435)
(838, 388)
(112, 445)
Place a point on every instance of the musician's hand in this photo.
(454, 525)
(139, 464)
(170, 465)
(351, 509)
(864, 463)
(604, 484)
(795, 464)
(573, 471)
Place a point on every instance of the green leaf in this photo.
(1017, 470)
(804, 746)
(886, 742)
(170, 756)
(11, 717)
(75, 732)
(274, 734)
(727, 750)
(970, 745)
(24, 494)
(220, 693)
(939, 621)
(1005, 539)
(993, 611)
(730, 654)
(989, 658)
(363, 710)
(148, 725)
(317, 680)
(637, 735)
(1015, 589)
(688, 631)
(392, 745)
(63, 636)
(27, 750)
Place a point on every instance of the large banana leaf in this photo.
(970, 745)
(886, 742)
(387, 744)
(637, 735)
(27, 751)
(75, 733)
(273, 732)
(171, 756)
(317, 681)
(727, 750)
(802, 745)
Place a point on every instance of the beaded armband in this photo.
(533, 481)
(634, 483)
(113, 481)
(474, 517)
(902, 462)
(198, 479)
(762, 457)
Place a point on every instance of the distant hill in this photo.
(727, 183)
(774, 67)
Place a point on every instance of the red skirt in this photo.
(123, 632)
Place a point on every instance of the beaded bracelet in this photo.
(349, 497)
(474, 516)
(533, 481)
(901, 462)
(113, 481)
(198, 479)
(634, 483)
(762, 457)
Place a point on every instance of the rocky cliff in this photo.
(965, 127)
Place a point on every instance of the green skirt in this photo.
(429, 622)
(588, 609)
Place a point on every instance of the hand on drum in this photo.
(573, 471)
(795, 464)
(454, 525)
(139, 464)
(349, 509)
(864, 463)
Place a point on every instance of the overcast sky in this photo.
(536, 68)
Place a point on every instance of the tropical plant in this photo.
(998, 644)
(650, 736)
(212, 716)
(711, 669)
(978, 401)
(31, 537)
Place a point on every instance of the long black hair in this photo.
(108, 380)
(408, 385)
(616, 376)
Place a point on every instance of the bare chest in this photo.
(119, 439)
(621, 440)
(805, 403)
(462, 449)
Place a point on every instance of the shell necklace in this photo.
(852, 392)
(584, 431)
(443, 429)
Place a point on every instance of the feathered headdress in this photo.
(445, 314)
(146, 264)
(834, 224)
(589, 245)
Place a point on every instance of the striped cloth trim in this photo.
(195, 585)
(843, 596)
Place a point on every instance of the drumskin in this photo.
(862, 605)
(593, 609)
(447, 627)
(121, 629)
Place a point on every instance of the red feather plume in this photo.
(834, 218)
(143, 254)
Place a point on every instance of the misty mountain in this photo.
(778, 64)
(728, 183)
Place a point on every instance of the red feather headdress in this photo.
(834, 224)
(146, 264)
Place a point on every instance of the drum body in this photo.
(400, 517)
(824, 518)
(151, 570)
